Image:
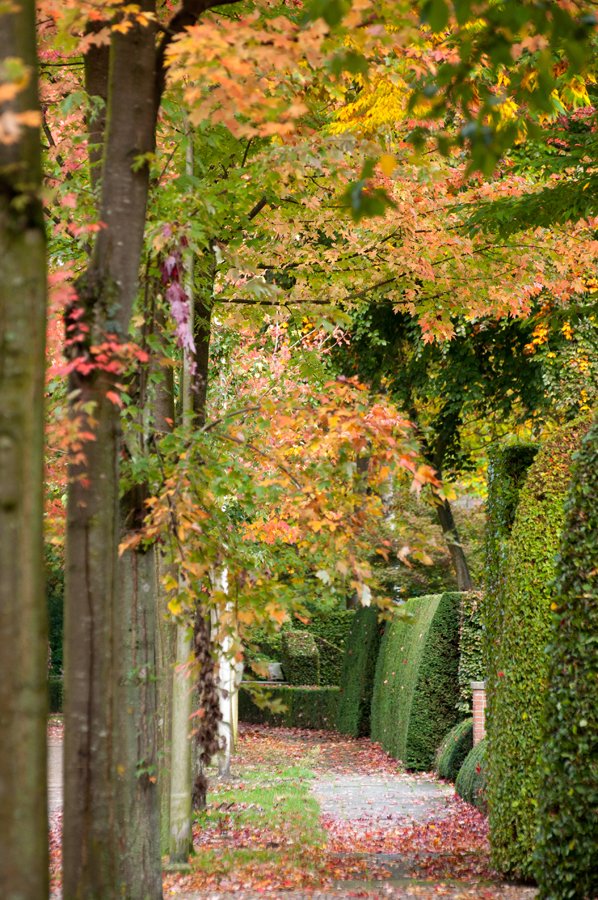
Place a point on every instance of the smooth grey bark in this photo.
(23, 631)
(186, 760)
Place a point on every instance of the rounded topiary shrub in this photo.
(517, 677)
(567, 857)
(416, 683)
(453, 749)
(471, 783)
(359, 667)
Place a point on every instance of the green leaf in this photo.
(435, 13)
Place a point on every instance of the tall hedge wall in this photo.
(567, 858)
(507, 470)
(304, 707)
(520, 631)
(359, 668)
(416, 683)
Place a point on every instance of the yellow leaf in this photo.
(387, 163)
(175, 607)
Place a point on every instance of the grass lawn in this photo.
(261, 828)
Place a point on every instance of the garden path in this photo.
(388, 833)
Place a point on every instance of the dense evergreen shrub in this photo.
(519, 631)
(567, 857)
(454, 748)
(471, 783)
(300, 658)
(357, 679)
(54, 572)
(471, 652)
(415, 688)
(55, 685)
(265, 644)
(304, 707)
(331, 630)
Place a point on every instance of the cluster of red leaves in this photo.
(55, 849)
(454, 846)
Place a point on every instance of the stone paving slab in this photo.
(384, 796)
(55, 750)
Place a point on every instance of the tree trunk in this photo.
(23, 631)
(135, 720)
(180, 775)
(162, 404)
(166, 653)
(459, 560)
(434, 455)
(95, 627)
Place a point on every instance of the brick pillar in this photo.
(479, 710)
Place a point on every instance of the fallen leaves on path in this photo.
(371, 856)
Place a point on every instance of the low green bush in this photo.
(567, 853)
(471, 651)
(55, 685)
(413, 703)
(359, 668)
(471, 783)
(300, 658)
(518, 671)
(454, 748)
(304, 707)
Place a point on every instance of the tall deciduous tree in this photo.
(23, 659)
(108, 776)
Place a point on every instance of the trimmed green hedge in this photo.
(300, 658)
(507, 470)
(471, 651)
(55, 687)
(453, 749)
(413, 703)
(567, 855)
(359, 668)
(331, 631)
(305, 707)
(517, 677)
(471, 784)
